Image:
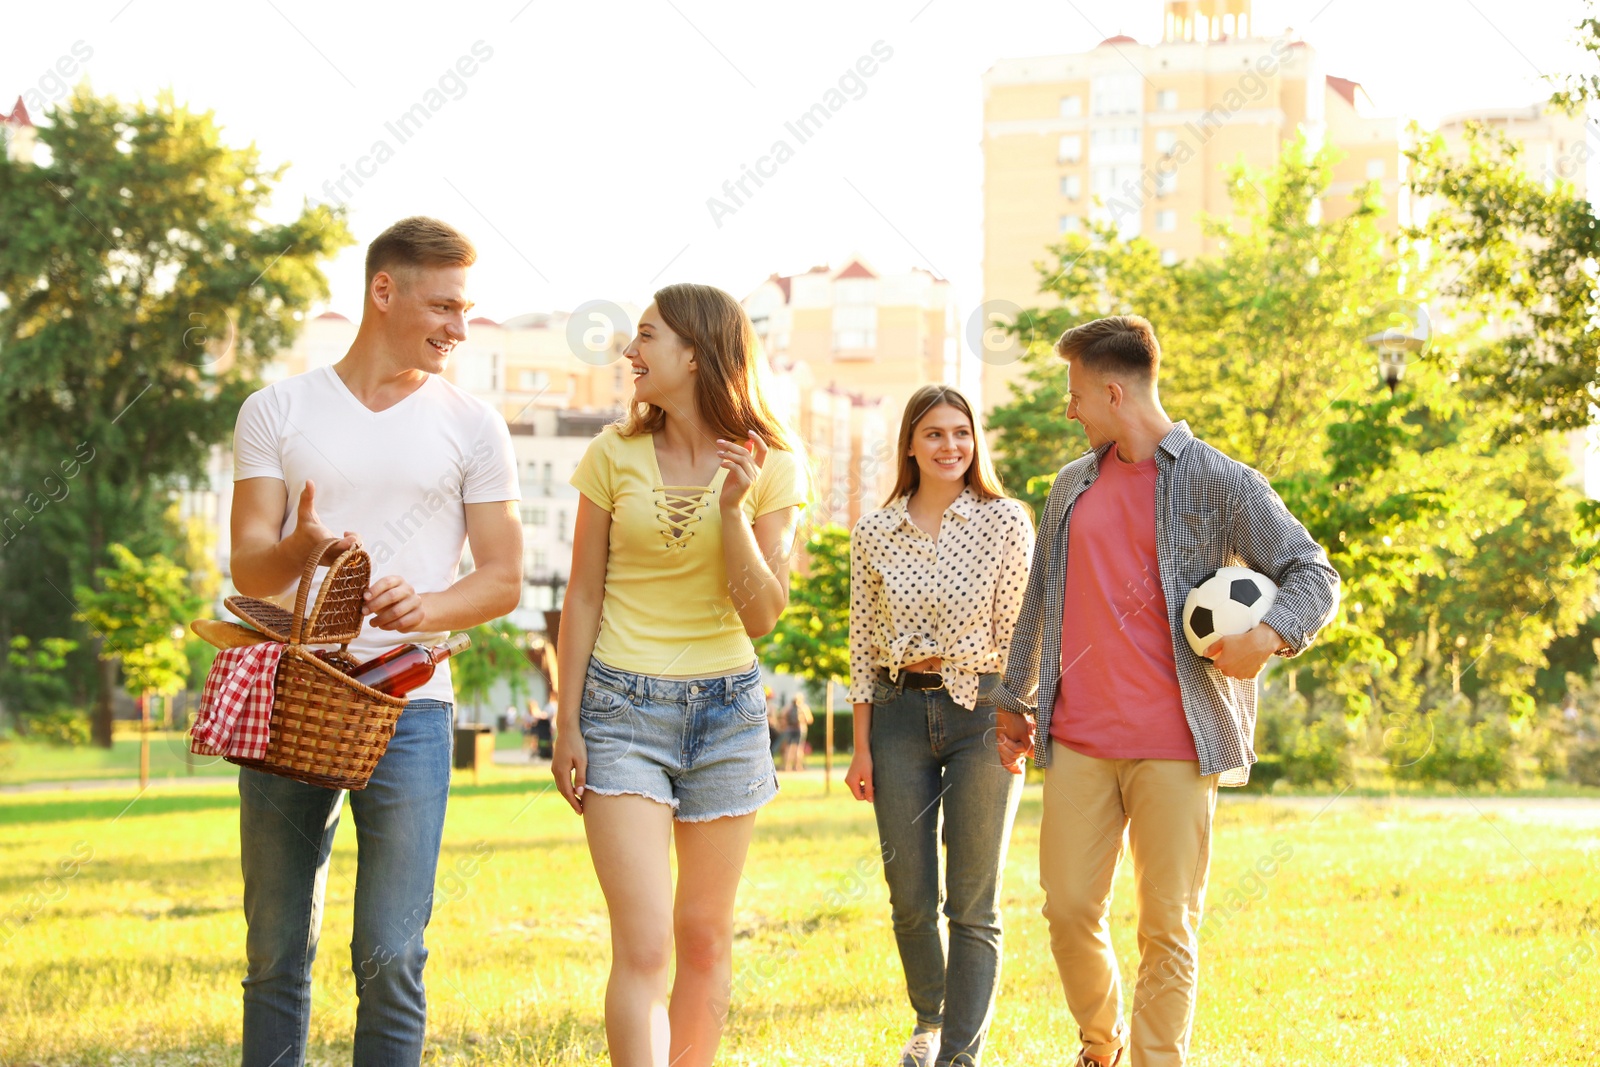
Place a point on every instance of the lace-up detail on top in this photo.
(679, 508)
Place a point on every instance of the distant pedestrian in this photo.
(792, 738)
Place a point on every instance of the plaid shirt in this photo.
(1211, 511)
(236, 705)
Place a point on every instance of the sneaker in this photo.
(921, 1049)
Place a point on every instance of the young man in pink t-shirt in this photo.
(1136, 731)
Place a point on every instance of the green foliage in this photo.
(1525, 253)
(1462, 748)
(34, 684)
(141, 610)
(811, 639)
(1307, 742)
(496, 653)
(1255, 342)
(141, 290)
(39, 693)
(1583, 763)
(1462, 550)
(63, 727)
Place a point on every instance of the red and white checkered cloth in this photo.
(236, 705)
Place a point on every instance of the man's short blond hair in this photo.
(1120, 344)
(419, 242)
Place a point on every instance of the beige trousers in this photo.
(1165, 807)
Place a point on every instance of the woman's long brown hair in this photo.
(729, 383)
(980, 474)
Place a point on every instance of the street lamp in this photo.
(1398, 345)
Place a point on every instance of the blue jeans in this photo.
(936, 775)
(286, 833)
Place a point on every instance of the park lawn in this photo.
(1362, 933)
(28, 762)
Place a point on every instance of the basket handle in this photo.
(303, 593)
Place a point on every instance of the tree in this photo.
(37, 689)
(496, 654)
(811, 639)
(139, 612)
(140, 293)
(1456, 540)
(1256, 342)
(1527, 277)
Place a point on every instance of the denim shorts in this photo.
(698, 746)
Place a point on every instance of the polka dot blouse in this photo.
(956, 596)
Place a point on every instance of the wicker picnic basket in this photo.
(327, 729)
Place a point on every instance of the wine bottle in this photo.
(402, 669)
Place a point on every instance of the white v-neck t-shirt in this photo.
(399, 477)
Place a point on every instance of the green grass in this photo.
(1381, 936)
(28, 762)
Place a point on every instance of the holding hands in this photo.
(1014, 740)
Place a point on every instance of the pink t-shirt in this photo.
(1119, 696)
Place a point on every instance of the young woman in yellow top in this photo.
(680, 557)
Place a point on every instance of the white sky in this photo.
(581, 156)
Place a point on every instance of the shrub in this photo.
(1307, 743)
(1266, 771)
(61, 726)
(1583, 763)
(1461, 747)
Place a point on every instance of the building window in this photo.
(855, 313)
(531, 381)
(1072, 186)
(1070, 150)
(1374, 169)
(1069, 224)
(855, 326)
(1117, 94)
(1166, 221)
(1166, 182)
(855, 291)
(541, 560)
(1114, 135)
(1167, 100)
(1166, 141)
(1116, 180)
(1169, 256)
(1071, 107)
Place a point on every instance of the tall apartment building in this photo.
(1141, 137)
(848, 347)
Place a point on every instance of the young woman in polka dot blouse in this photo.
(936, 581)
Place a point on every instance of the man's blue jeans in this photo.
(936, 775)
(286, 833)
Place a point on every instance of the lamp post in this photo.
(1397, 346)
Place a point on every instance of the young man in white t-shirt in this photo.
(379, 450)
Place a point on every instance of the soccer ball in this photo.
(1225, 602)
